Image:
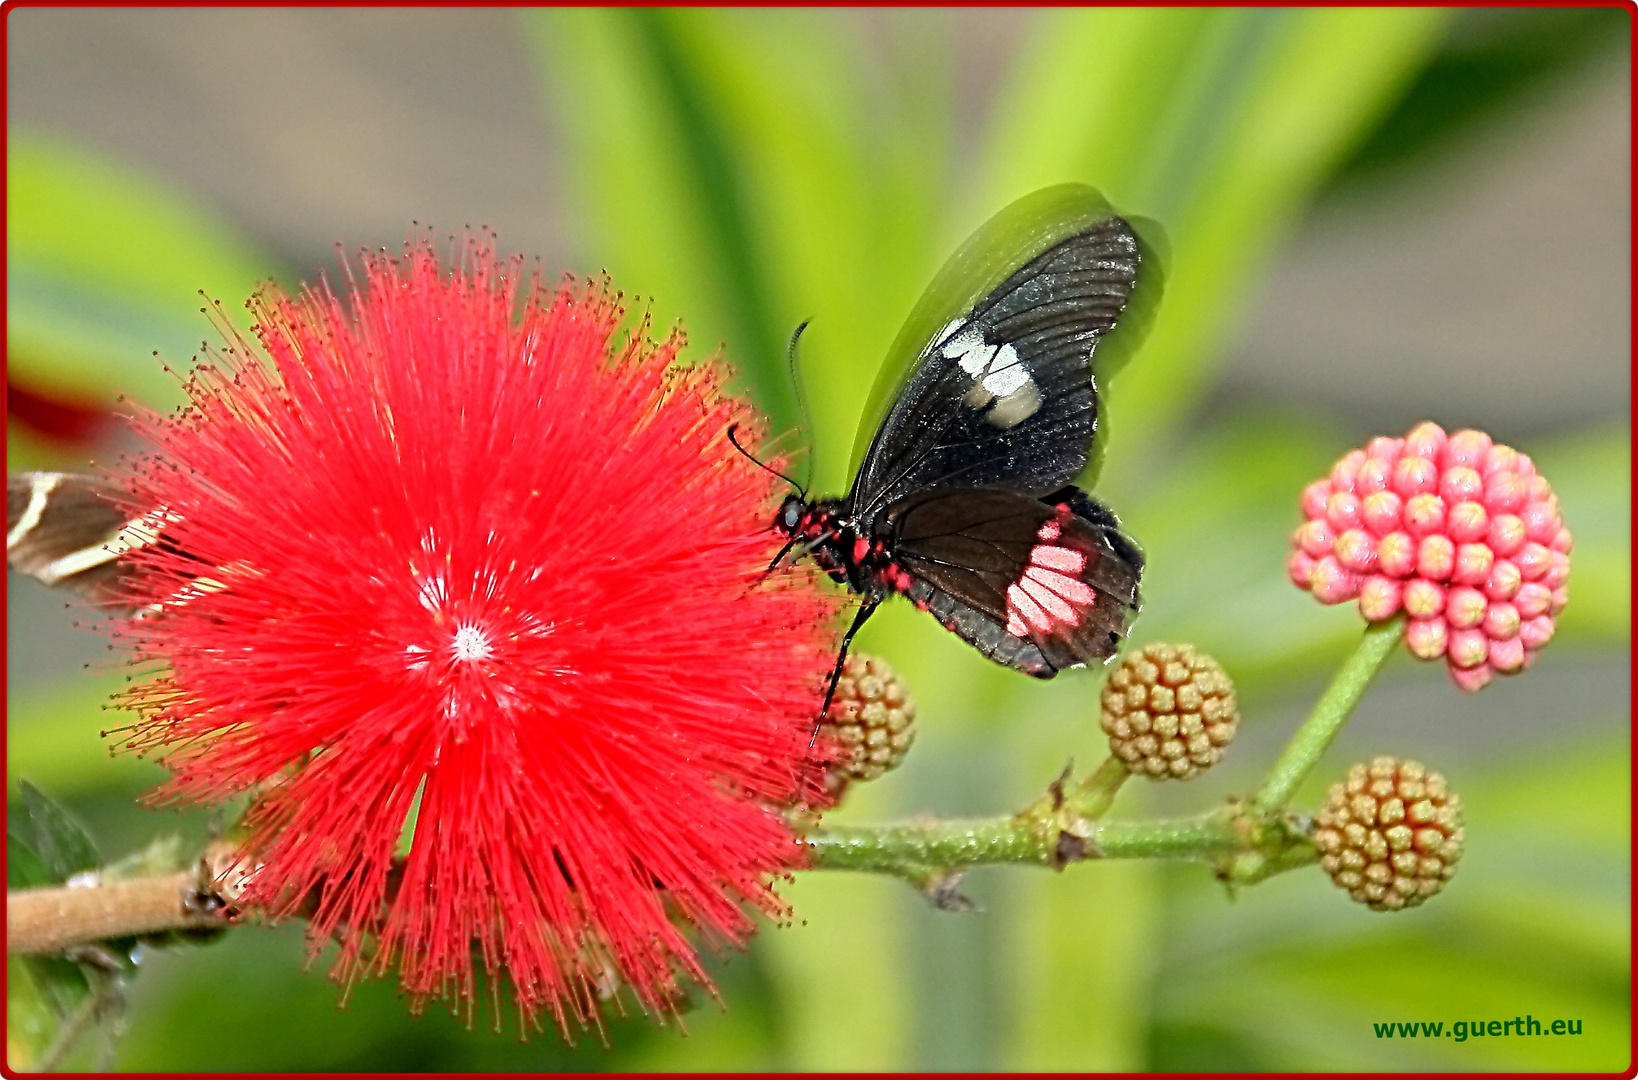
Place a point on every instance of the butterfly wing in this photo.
(1000, 392)
(71, 531)
(59, 528)
(1036, 585)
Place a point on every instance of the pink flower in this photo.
(1458, 532)
(472, 579)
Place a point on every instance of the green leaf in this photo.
(834, 174)
(40, 992)
(61, 843)
(25, 869)
(105, 266)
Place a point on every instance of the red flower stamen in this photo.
(454, 555)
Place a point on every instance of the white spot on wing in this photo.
(1002, 387)
(959, 344)
(1016, 407)
(1006, 374)
(136, 533)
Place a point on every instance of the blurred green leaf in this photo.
(40, 992)
(105, 266)
(1535, 922)
(189, 1015)
(165, 854)
(63, 846)
(53, 735)
(1220, 124)
(1491, 62)
(25, 869)
(44, 846)
(836, 165)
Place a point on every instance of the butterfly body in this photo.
(1034, 584)
(988, 408)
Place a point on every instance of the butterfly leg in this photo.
(868, 609)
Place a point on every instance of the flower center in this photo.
(470, 644)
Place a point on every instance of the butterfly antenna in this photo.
(764, 467)
(802, 400)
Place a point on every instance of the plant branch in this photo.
(1329, 715)
(1244, 844)
(53, 919)
(1245, 841)
(1095, 793)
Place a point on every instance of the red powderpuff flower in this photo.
(1458, 532)
(471, 563)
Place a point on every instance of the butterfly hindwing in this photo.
(1034, 584)
(1004, 395)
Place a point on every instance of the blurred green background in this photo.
(1376, 217)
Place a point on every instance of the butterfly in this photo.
(73, 531)
(984, 412)
(66, 529)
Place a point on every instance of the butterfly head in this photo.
(791, 512)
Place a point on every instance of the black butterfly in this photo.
(962, 499)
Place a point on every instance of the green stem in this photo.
(1095, 793)
(891, 848)
(1246, 842)
(1329, 715)
(906, 846)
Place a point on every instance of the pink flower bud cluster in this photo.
(1456, 531)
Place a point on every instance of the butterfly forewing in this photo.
(1004, 395)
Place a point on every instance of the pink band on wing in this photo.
(1058, 558)
(1020, 603)
(1055, 605)
(1071, 589)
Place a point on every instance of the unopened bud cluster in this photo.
(1169, 710)
(1458, 532)
(871, 719)
(1390, 834)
